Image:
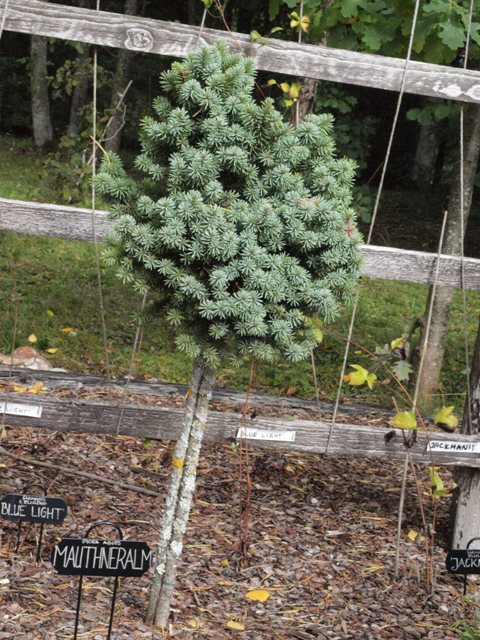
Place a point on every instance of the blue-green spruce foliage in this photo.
(241, 221)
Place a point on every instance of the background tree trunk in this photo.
(466, 503)
(430, 375)
(425, 162)
(180, 494)
(80, 91)
(41, 120)
(306, 100)
(112, 137)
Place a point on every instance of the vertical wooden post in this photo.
(467, 514)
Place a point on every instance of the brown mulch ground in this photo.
(321, 542)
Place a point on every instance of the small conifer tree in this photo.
(243, 226)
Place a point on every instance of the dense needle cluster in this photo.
(241, 221)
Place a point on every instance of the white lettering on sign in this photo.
(260, 434)
(444, 446)
(102, 557)
(465, 563)
(37, 500)
(24, 410)
(13, 510)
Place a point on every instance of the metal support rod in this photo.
(79, 600)
(465, 576)
(40, 486)
(400, 513)
(39, 546)
(112, 608)
(95, 525)
(19, 529)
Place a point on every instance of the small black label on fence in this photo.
(464, 561)
(26, 508)
(90, 557)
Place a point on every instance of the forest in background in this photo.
(46, 97)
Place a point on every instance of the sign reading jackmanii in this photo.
(464, 561)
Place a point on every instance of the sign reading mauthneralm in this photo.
(241, 227)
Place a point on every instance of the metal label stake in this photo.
(464, 562)
(108, 558)
(33, 508)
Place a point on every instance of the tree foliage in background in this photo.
(384, 26)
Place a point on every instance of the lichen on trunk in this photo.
(180, 493)
(459, 205)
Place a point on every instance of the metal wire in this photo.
(139, 326)
(430, 314)
(4, 17)
(468, 413)
(374, 214)
(93, 211)
(135, 350)
(202, 25)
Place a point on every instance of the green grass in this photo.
(56, 284)
(21, 171)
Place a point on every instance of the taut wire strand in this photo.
(139, 326)
(14, 339)
(4, 17)
(415, 399)
(374, 214)
(94, 194)
(135, 350)
(297, 106)
(202, 25)
(468, 412)
(430, 314)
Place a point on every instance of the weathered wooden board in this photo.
(361, 441)
(276, 56)
(378, 262)
(51, 220)
(72, 381)
(389, 263)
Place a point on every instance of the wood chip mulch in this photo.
(321, 542)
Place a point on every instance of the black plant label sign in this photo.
(463, 561)
(25, 508)
(90, 557)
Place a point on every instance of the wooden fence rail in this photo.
(77, 414)
(276, 56)
(164, 423)
(378, 262)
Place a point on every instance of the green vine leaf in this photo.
(302, 22)
(402, 370)
(445, 418)
(453, 35)
(360, 376)
(404, 420)
(436, 483)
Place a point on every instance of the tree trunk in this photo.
(113, 133)
(306, 100)
(467, 499)
(425, 162)
(41, 120)
(80, 91)
(180, 494)
(430, 374)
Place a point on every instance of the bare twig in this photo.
(75, 472)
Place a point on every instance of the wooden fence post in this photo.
(467, 513)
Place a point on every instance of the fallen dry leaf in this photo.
(258, 595)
